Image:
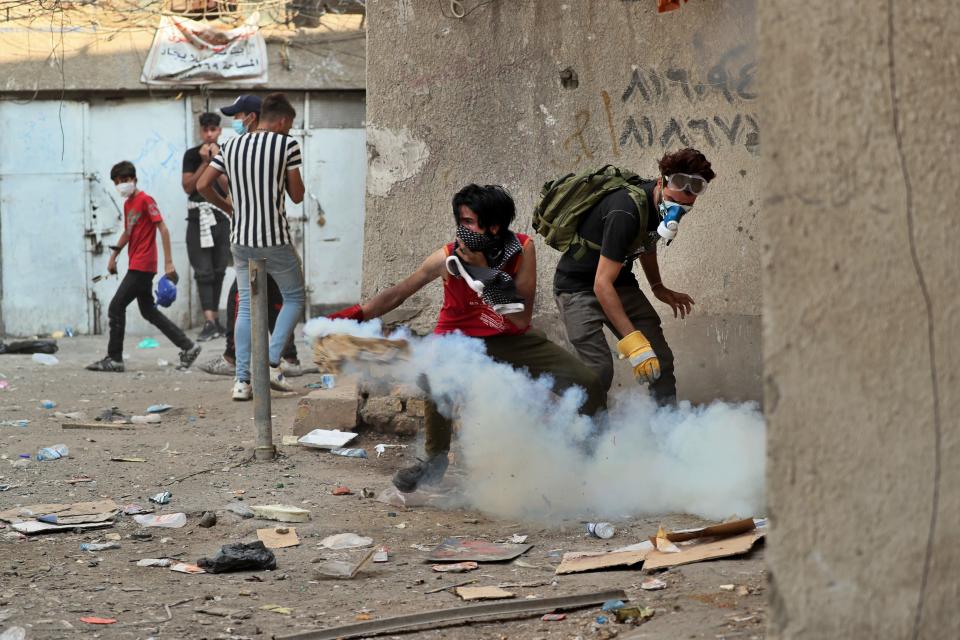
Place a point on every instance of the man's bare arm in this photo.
(607, 272)
(392, 297)
(295, 185)
(526, 282)
(205, 187)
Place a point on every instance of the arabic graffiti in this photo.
(653, 100)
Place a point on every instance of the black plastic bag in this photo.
(30, 346)
(239, 556)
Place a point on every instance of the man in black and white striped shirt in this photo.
(262, 166)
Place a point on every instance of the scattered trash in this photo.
(459, 567)
(457, 550)
(163, 363)
(239, 556)
(55, 452)
(289, 441)
(148, 343)
(349, 453)
(95, 620)
(280, 512)
(103, 546)
(517, 539)
(159, 408)
(105, 426)
(381, 555)
(48, 518)
(114, 415)
(155, 562)
(601, 620)
(342, 491)
(148, 419)
(726, 587)
(14, 633)
(613, 605)
(653, 584)
(634, 615)
(167, 520)
(186, 567)
(576, 562)
(38, 347)
(743, 590)
(161, 498)
(345, 541)
(128, 459)
(207, 520)
(4, 384)
(22, 424)
(48, 404)
(382, 448)
(133, 509)
(553, 617)
(368, 493)
(7, 487)
(326, 438)
(278, 537)
(483, 593)
(275, 608)
(73, 415)
(240, 509)
(45, 359)
(602, 530)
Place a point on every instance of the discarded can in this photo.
(48, 404)
(161, 498)
(68, 332)
(328, 381)
(55, 452)
(602, 530)
(350, 453)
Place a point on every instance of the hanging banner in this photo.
(189, 52)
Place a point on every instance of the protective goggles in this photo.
(686, 182)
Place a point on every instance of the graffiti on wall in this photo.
(646, 111)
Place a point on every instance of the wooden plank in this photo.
(104, 426)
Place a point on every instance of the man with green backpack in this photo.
(602, 220)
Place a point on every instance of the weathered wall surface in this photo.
(861, 316)
(482, 100)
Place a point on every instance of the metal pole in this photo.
(260, 361)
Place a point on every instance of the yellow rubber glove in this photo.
(636, 348)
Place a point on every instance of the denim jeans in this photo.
(283, 264)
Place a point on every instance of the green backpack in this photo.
(564, 202)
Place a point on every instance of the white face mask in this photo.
(126, 189)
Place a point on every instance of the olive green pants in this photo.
(533, 352)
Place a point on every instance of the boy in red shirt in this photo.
(141, 220)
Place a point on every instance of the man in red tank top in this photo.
(506, 263)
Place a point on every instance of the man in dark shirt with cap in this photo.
(208, 228)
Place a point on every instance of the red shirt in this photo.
(141, 217)
(463, 310)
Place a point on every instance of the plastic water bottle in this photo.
(55, 452)
(48, 404)
(602, 530)
(328, 381)
(349, 453)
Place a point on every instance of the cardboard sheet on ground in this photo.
(326, 438)
(456, 550)
(278, 537)
(723, 530)
(700, 549)
(63, 514)
(622, 558)
(332, 351)
(483, 593)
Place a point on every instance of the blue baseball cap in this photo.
(243, 104)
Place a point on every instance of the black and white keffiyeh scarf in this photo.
(494, 286)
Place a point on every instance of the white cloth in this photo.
(208, 219)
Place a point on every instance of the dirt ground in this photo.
(47, 583)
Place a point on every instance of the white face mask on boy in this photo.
(126, 189)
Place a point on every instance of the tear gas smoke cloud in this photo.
(527, 453)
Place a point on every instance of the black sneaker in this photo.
(429, 471)
(220, 328)
(209, 331)
(189, 356)
(107, 364)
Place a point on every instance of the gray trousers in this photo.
(584, 320)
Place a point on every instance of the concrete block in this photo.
(379, 412)
(416, 407)
(328, 409)
(407, 425)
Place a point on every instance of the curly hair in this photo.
(688, 161)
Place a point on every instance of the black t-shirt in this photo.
(613, 224)
(192, 162)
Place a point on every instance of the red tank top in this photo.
(464, 311)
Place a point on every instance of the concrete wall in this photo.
(482, 100)
(861, 316)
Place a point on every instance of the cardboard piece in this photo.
(73, 513)
(278, 537)
(457, 550)
(331, 351)
(723, 530)
(326, 438)
(580, 562)
(29, 527)
(186, 567)
(483, 593)
(698, 551)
